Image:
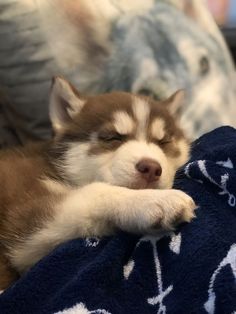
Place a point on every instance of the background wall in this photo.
(224, 12)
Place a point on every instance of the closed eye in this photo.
(166, 140)
(110, 137)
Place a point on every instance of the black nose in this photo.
(149, 169)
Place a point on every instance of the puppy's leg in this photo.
(98, 209)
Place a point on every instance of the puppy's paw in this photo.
(160, 211)
(178, 207)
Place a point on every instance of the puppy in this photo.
(110, 165)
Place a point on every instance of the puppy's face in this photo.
(118, 138)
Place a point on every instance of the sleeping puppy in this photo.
(110, 165)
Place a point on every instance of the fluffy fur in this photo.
(104, 170)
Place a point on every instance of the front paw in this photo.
(177, 207)
(160, 211)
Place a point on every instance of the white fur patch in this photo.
(141, 112)
(158, 128)
(75, 164)
(184, 154)
(123, 122)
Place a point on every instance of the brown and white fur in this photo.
(109, 166)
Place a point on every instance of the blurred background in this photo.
(224, 12)
(151, 47)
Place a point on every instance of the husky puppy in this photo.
(109, 166)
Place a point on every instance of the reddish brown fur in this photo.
(25, 202)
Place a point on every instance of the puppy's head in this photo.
(118, 138)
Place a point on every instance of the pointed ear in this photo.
(175, 102)
(65, 103)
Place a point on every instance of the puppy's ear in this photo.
(65, 103)
(175, 102)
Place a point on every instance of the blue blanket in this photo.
(191, 271)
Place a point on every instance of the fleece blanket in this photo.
(190, 271)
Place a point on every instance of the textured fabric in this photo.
(26, 68)
(191, 271)
(8, 136)
(155, 52)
